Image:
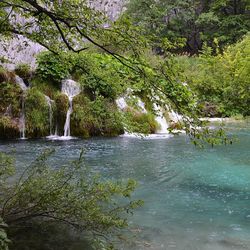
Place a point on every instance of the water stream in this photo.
(50, 102)
(24, 88)
(71, 89)
(161, 120)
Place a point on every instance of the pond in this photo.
(194, 198)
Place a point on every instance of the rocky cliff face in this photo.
(20, 50)
(112, 8)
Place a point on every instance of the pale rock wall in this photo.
(112, 8)
(21, 50)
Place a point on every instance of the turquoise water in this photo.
(194, 198)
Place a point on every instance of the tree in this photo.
(221, 81)
(195, 21)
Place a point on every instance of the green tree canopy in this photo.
(195, 21)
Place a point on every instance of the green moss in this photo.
(94, 118)
(10, 96)
(139, 122)
(36, 114)
(24, 71)
(8, 128)
(47, 87)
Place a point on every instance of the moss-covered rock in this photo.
(9, 127)
(138, 122)
(95, 118)
(24, 71)
(62, 105)
(46, 86)
(10, 99)
(36, 114)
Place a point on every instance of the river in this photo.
(194, 198)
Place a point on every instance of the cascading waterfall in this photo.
(141, 105)
(21, 83)
(71, 89)
(161, 120)
(163, 131)
(67, 122)
(24, 88)
(49, 102)
(22, 119)
(121, 103)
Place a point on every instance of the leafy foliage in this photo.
(53, 67)
(190, 23)
(139, 122)
(36, 113)
(4, 241)
(97, 117)
(222, 81)
(10, 95)
(69, 195)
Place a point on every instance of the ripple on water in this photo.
(194, 199)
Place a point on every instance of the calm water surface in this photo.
(194, 199)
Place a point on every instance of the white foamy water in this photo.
(21, 83)
(145, 137)
(71, 89)
(121, 103)
(24, 88)
(60, 138)
(161, 120)
(50, 102)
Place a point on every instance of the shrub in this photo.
(137, 122)
(47, 87)
(4, 241)
(23, 70)
(92, 118)
(53, 67)
(6, 76)
(68, 195)
(99, 74)
(221, 81)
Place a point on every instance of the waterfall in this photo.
(24, 88)
(67, 122)
(21, 83)
(141, 105)
(175, 117)
(121, 103)
(162, 133)
(71, 89)
(49, 102)
(22, 120)
(161, 120)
